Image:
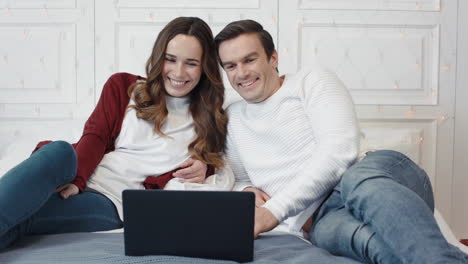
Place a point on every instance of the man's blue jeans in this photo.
(28, 204)
(382, 212)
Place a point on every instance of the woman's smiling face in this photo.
(182, 65)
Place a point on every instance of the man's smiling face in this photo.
(249, 71)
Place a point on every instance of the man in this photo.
(293, 140)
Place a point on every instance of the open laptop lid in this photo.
(205, 224)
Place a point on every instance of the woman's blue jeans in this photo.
(29, 206)
(382, 212)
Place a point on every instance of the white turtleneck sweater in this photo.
(295, 145)
(140, 152)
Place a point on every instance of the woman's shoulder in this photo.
(124, 78)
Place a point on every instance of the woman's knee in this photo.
(63, 157)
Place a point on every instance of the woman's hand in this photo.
(67, 190)
(193, 171)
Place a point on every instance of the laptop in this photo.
(202, 224)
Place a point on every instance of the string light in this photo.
(44, 10)
(445, 68)
(26, 33)
(300, 23)
(419, 5)
(151, 17)
(441, 119)
(421, 140)
(396, 85)
(132, 42)
(411, 112)
(418, 66)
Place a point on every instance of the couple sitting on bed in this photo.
(293, 141)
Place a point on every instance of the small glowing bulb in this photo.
(421, 140)
(418, 66)
(445, 68)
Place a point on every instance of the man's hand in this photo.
(264, 221)
(260, 196)
(67, 190)
(193, 171)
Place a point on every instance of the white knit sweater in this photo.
(295, 145)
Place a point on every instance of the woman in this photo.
(143, 132)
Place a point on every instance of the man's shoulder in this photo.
(235, 107)
(313, 73)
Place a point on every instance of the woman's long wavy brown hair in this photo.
(206, 99)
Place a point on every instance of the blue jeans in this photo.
(382, 212)
(29, 206)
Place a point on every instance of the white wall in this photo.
(460, 181)
(397, 57)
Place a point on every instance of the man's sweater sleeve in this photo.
(97, 133)
(331, 113)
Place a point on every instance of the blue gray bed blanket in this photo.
(97, 248)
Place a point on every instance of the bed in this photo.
(108, 247)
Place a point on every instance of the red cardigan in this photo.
(102, 127)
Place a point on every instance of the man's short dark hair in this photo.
(237, 28)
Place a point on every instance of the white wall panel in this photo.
(388, 64)
(45, 4)
(209, 4)
(48, 55)
(44, 74)
(383, 58)
(419, 5)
